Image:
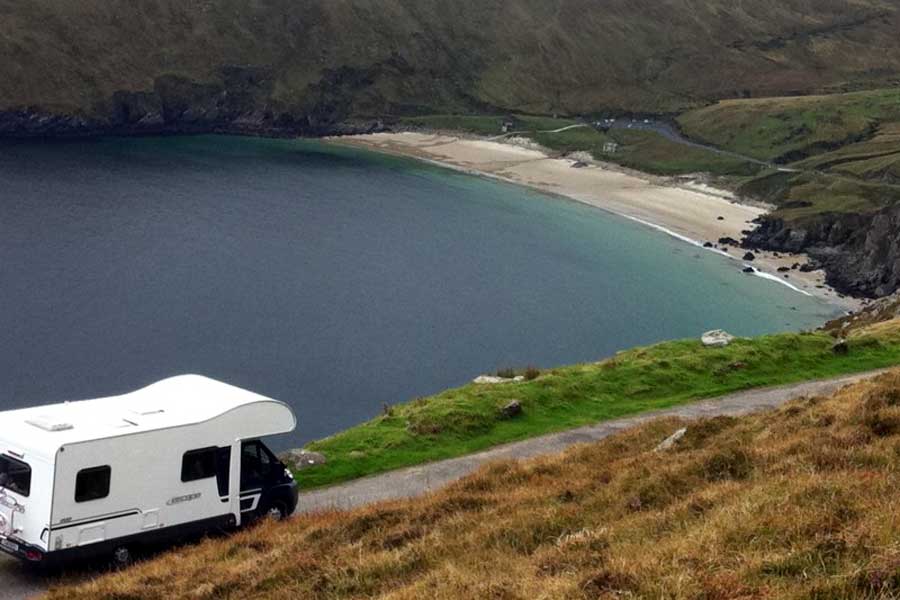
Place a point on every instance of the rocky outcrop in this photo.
(671, 441)
(716, 339)
(496, 379)
(300, 459)
(511, 410)
(860, 253)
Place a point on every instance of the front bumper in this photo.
(295, 496)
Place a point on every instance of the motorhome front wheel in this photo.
(122, 556)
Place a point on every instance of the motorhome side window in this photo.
(92, 484)
(198, 464)
(15, 475)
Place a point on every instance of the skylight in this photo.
(49, 423)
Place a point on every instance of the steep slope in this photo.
(796, 503)
(879, 314)
(309, 66)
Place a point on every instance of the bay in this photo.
(334, 279)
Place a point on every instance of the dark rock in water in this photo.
(841, 347)
(728, 241)
(511, 410)
(783, 269)
(807, 268)
(749, 256)
(708, 245)
(795, 266)
(720, 219)
(579, 164)
(786, 276)
(749, 270)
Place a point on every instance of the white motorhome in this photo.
(107, 476)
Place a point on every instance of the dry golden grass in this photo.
(802, 502)
(878, 319)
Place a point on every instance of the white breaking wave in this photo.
(693, 242)
(771, 277)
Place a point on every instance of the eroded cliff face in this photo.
(242, 101)
(860, 253)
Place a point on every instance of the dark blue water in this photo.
(333, 279)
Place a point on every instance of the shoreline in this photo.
(684, 208)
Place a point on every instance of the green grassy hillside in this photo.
(842, 149)
(333, 59)
(790, 129)
(467, 419)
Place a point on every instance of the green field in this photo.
(487, 125)
(467, 419)
(789, 129)
(642, 150)
(843, 149)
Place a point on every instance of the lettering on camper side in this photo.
(180, 499)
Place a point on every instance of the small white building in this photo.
(176, 458)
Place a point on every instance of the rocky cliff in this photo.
(859, 252)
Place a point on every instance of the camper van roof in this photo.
(173, 402)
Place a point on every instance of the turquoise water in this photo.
(331, 278)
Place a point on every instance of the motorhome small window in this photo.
(198, 464)
(92, 484)
(15, 475)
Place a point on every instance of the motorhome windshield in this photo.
(15, 475)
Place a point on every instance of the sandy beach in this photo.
(687, 209)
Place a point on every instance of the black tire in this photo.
(277, 511)
(122, 557)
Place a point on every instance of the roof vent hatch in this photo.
(48, 423)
